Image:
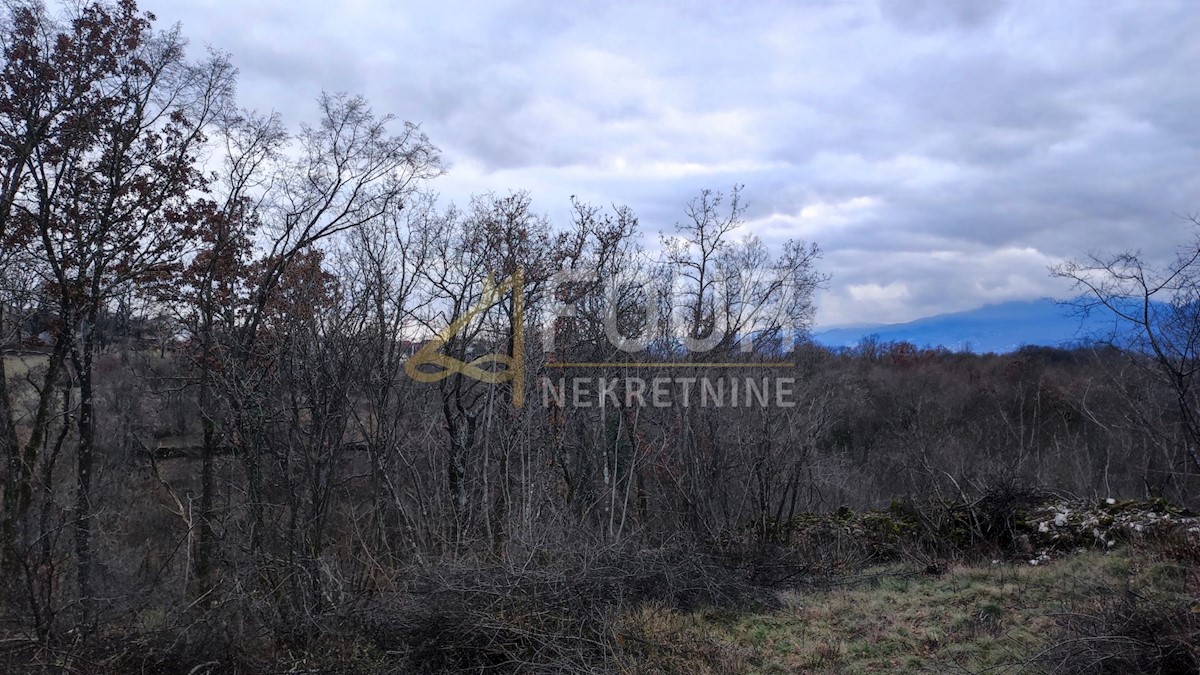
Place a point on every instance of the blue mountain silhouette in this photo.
(997, 328)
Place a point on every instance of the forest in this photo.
(269, 404)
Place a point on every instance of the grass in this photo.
(993, 618)
(18, 366)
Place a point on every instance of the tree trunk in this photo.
(206, 538)
(82, 359)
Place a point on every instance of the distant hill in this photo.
(996, 328)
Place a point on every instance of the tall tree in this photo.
(52, 92)
(351, 170)
(109, 201)
(214, 286)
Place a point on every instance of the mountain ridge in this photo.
(999, 328)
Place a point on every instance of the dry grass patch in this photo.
(995, 618)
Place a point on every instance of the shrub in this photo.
(1129, 633)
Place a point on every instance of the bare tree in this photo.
(347, 172)
(1158, 318)
(498, 239)
(211, 295)
(735, 289)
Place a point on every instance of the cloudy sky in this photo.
(943, 153)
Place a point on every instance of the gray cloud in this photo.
(942, 153)
(933, 15)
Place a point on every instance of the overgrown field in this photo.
(18, 368)
(1063, 587)
(18, 365)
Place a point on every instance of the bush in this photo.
(564, 615)
(1130, 633)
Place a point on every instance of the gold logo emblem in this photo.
(514, 364)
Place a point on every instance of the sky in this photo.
(942, 153)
